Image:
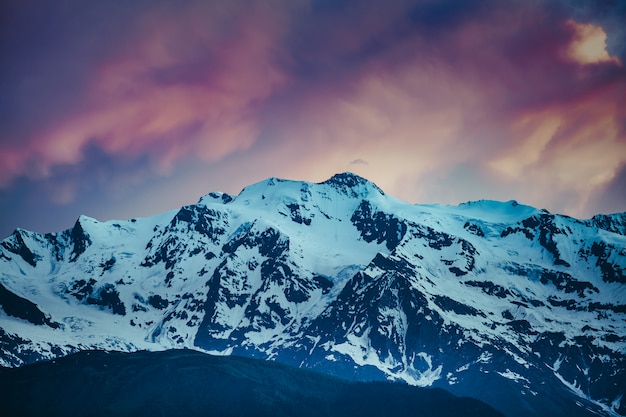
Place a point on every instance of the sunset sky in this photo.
(118, 109)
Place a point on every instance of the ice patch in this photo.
(513, 376)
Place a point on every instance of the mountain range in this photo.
(512, 305)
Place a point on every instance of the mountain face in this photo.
(188, 383)
(503, 302)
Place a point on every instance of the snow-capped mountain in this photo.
(503, 302)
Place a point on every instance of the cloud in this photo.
(359, 161)
(494, 96)
(178, 88)
(523, 98)
(611, 198)
(589, 44)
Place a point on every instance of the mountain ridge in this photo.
(339, 276)
(189, 383)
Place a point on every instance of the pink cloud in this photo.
(178, 88)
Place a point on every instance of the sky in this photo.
(120, 109)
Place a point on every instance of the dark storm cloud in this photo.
(435, 18)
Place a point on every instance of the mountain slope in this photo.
(500, 301)
(187, 383)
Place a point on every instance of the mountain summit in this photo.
(499, 301)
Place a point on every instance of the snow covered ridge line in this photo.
(484, 299)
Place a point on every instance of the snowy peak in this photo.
(614, 223)
(353, 185)
(277, 190)
(79, 236)
(215, 197)
(16, 244)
